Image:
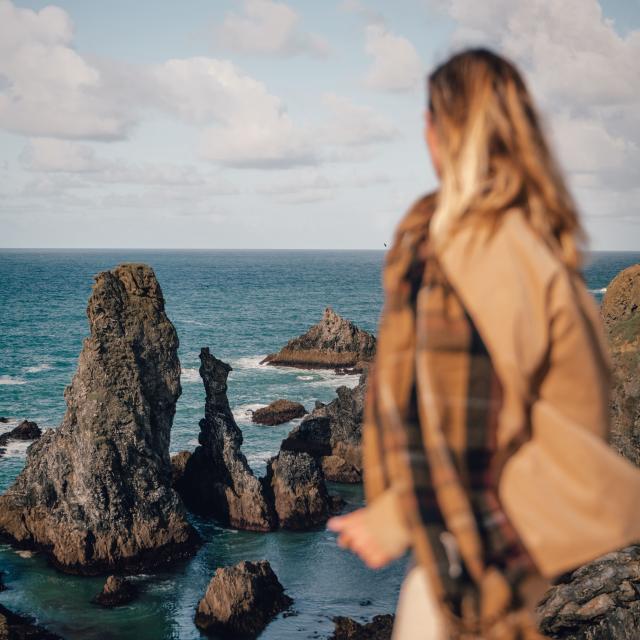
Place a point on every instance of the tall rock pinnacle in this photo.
(95, 493)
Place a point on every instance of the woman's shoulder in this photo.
(509, 251)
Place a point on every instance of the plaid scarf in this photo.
(429, 430)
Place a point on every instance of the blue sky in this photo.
(264, 124)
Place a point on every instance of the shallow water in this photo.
(243, 305)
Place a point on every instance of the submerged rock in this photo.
(379, 628)
(26, 430)
(117, 591)
(241, 600)
(17, 627)
(217, 479)
(334, 342)
(621, 314)
(277, 412)
(95, 493)
(299, 492)
(333, 433)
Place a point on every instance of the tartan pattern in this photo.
(430, 421)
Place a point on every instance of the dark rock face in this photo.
(95, 493)
(17, 627)
(217, 479)
(332, 342)
(599, 601)
(178, 465)
(241, 600)
(277, 412)
(348, 629)
(116, 591)
(3, 419)
(297, 485)
(333, 433)
(621, 315)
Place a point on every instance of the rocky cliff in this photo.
(332, 342)
(621, 315)
(95, 493)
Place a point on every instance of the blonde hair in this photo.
(494, 155)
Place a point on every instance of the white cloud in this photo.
(396, 64)
(355, 125)
(46, 87)
(50, 154)
(268, 27)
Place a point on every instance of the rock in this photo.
(332, 342)
(95, 494)
(312, 436)
(26, 430)
(241, 600)
(217, 479)
(598, 601)
(116, 591)
(18, 627)
(178, 465)
(348, 629)
(278, 411)
(333, 433)
(3, 419)
(299, 492)
(621, 314)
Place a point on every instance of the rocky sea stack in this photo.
(334, 342)
(333, 433)
(241, 600)
(217, 479)
(95, 493)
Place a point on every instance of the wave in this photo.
(603, 290)
(37, 368)
(190, 374)
(242, 413)
(248, 362)
(9, 380)
(16, 448)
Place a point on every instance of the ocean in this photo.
(242, 305)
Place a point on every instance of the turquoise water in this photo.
(243, 305)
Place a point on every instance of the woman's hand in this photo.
(354, 534)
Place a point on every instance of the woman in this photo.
(486, 416)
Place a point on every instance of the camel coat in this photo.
(569, 495)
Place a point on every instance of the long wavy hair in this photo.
(493, 153)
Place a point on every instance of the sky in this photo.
(287, 125)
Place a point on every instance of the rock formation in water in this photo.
(26, 430)
(333, 433)
(95, 493)
(599, 601)
(241, 600)
(299, 492)
(621, 315)
(217, 479)
(348, 629)
(117, 591)
(17, 627)
(332, 342)
(277, 412)
(178, 465)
